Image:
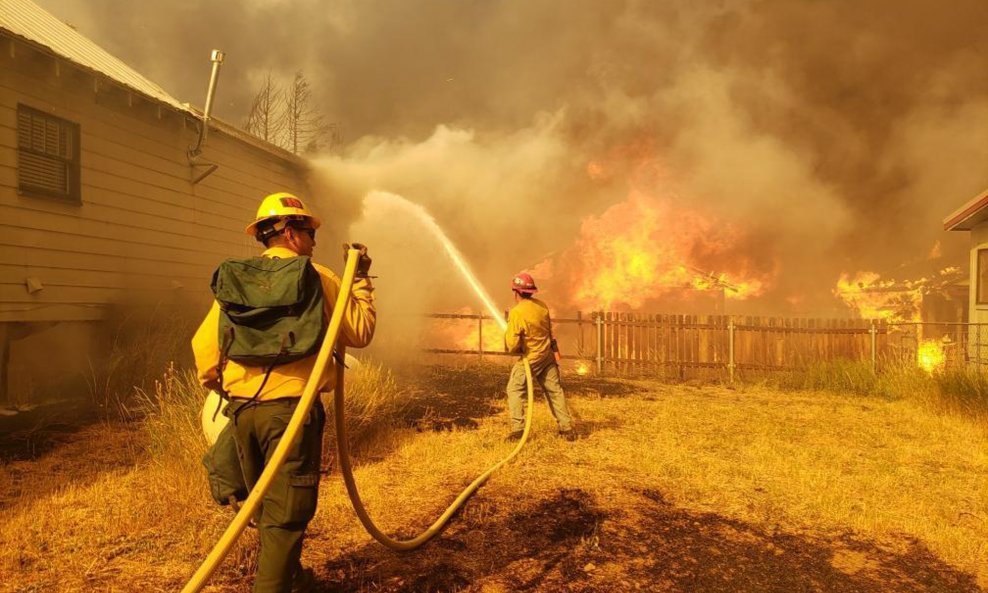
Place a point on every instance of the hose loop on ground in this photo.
(342, 445)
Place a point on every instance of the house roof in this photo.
(29, 21)
(969, 215)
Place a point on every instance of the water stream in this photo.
(381, 198)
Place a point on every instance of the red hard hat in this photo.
(524, 283)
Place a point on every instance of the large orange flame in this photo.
(647, 247)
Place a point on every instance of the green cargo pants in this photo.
(291, 501)
(548, 378)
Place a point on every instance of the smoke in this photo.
(837, 135)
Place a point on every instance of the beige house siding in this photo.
(142, 228)
(979, 240)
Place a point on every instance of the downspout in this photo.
(195, 151)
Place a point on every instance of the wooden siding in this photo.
(142, 227)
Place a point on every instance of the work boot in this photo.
(304, 582)
(569, 435)
(514, 436)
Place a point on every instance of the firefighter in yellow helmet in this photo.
(263, 398)
(529, 333)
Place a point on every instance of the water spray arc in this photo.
(380, 199)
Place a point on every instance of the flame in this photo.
(931, 355)
(647, 247)
(582, 368)
(875, 298)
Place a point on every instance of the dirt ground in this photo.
(571, 539)
(572, 543)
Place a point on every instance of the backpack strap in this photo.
(286, 343)
(224, 351)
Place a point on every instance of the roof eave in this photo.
(184, 109)
(968, 215)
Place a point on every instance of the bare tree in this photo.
(304, 125)
(264, 119)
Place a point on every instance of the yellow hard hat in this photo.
(281, 205)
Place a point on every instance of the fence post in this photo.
(730, 349)
(599, 321)
(579, 332)
(480, 336)
(977, 344)
(874, 346)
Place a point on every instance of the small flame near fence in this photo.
(931, 355)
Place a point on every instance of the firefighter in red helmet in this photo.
(529, 333)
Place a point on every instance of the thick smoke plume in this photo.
(821, 136)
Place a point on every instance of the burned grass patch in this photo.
(32, 433)
(679, 550)
(444, 398)
(69, 459)
(522, 550)
(570, 542)
(601, 387)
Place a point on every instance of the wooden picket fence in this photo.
(725, 346)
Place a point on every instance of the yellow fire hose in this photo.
(351, 486)
(257, 493)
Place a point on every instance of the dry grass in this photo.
(814, 464)
(131, 348)
(960, 390)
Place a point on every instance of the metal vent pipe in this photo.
(217, 58)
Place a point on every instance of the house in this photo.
(100, 201)
(973, 217)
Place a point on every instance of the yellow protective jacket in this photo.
(287, 380)
(529, 333)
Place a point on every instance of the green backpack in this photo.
(271, 310)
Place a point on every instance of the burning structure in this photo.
(102, 192)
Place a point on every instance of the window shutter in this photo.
(47, 155)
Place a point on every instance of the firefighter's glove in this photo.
(363, 261)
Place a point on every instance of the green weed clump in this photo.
(963, 390)
(838, 376)
(958, 389)
(903, 379)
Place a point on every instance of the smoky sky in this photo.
(840, 133)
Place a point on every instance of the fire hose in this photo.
(309, 394)
(351, 485)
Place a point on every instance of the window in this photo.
(47, 155)
(983, 276)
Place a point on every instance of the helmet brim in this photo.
(252, 227)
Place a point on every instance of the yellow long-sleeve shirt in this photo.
(529, 332)
(287, 380)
